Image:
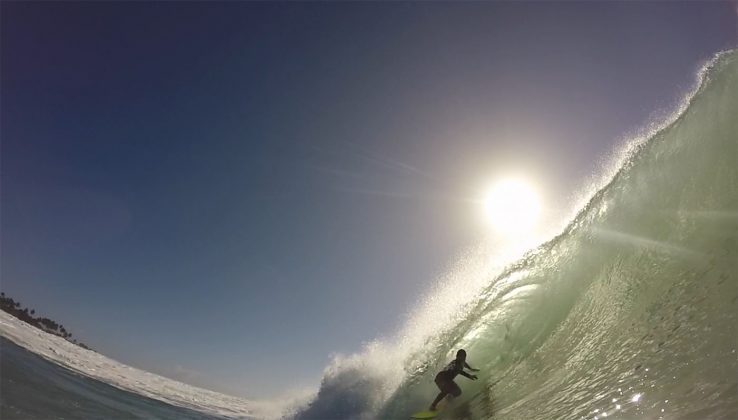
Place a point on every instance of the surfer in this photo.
(445, 378)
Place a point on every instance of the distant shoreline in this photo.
(13, 308)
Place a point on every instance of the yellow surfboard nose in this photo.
(426, 414)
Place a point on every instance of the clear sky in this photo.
(227, 193)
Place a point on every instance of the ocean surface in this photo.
(43, 376)
(631, 312)
(34, 388)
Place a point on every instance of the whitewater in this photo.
(630, 312)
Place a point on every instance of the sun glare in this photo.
(512, 206)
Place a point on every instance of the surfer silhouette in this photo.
(445, 378)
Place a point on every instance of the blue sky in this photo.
(227, 193)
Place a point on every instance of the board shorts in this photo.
(446, 384)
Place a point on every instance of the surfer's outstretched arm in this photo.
(467, 375)
(466, 365)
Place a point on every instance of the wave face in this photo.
(631, 312)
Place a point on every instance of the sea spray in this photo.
(361, 383)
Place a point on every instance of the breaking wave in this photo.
(630, 312)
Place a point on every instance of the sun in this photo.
(512, 206)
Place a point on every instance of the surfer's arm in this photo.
(468, 375)
(466, 365)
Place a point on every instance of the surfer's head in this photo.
(461, 355)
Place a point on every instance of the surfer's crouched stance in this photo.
(445, 378)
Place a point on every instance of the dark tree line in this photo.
(12, 307)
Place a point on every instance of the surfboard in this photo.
(428, 414)
(425, 414)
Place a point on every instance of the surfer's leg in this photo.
(438, 399)
(454, 389)
(443, 384)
